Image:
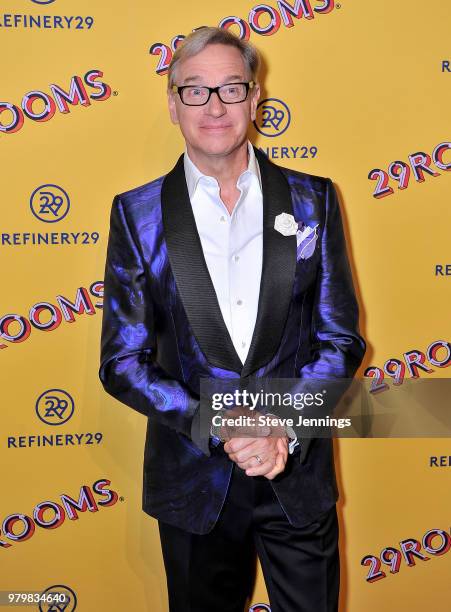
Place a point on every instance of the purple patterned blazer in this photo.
(162, 331)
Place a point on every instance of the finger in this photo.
(284, 453)
(262, 469)
(235, 444)
(247, 431)
(262, 447)
(283, 441)
(251, 462)
(252, 445)
(278, 468)
(282, 446)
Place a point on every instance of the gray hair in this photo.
(196, 42)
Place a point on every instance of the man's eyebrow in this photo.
(228, 79)
(233, 77)
(190, 79)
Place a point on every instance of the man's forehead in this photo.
(214, 62)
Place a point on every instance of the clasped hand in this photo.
(268, 443)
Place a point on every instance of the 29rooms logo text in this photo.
(434, 543)
(40, 106)
(45, 316)
(19, 527)
(437, 355)
(419, 165)
(263, 19)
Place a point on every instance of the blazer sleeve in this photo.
(128, 370)
(337, 346)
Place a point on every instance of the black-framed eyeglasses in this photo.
(198, 95)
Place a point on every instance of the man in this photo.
(200, 281)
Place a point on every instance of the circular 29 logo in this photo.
(61, 597)
(273, 117)
(55, 407)
(49, 203)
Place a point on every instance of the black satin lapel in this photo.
(278, 270)
(191, 274)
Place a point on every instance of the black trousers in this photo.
(215, 572)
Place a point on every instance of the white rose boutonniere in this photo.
(285, 224)
(306, 236)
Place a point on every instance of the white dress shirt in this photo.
(233, 248)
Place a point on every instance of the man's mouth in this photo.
(215, 127)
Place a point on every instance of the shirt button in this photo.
(236, 257)
(222, 218)
(239, 302)
(243, 344)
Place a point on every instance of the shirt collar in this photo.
(193, 174)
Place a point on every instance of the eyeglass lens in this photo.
(234, 92)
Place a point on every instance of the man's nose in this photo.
(215, 107)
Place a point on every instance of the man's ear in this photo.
(255, 95)
(172, 107)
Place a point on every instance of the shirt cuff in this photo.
(215, 439)
(293, 439)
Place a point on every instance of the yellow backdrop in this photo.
(358, 91)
